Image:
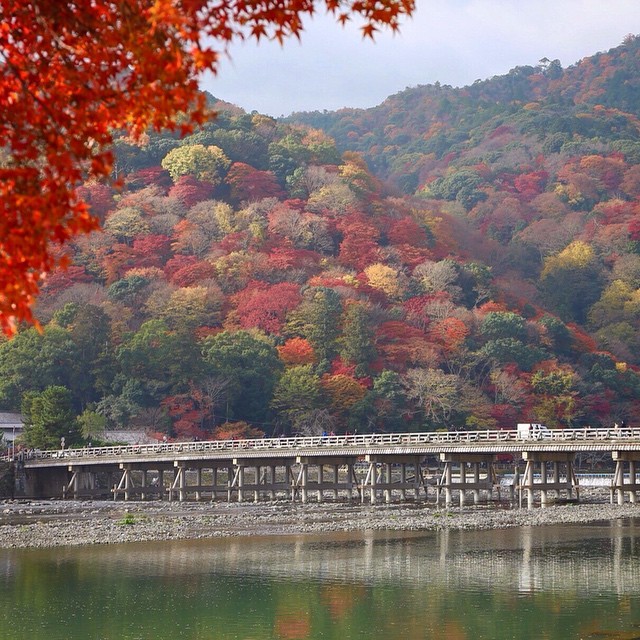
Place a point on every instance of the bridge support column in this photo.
(304, 480)
(182, 485)
(418, 480)
(72, 485)
(320, 481)
(620, 485)
(82, 482)
(403, 481)
(387, 481)
(179, 484)
(528, 483)
(370, 481)
(214, 483)
(257, 482)
(543, 477)
(292, 483)
(240, 474)
(351, 480)
(231, 471)
(198, 483)
(459, 462)
(125, 484)
(373, 482)
(161, 483)
(143, 485)
(543, 458)
(272, 493)
(380, 476)
(463, 481)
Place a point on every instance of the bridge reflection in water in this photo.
(556, 582)
(521, 560)
(367, 467)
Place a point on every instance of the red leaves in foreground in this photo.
(73, 73)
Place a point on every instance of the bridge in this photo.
(365, 467)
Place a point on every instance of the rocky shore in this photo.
(60, 523)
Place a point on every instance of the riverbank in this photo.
(62, 523)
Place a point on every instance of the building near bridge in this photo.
(11, 427)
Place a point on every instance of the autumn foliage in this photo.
(298, 294)
(73, 73)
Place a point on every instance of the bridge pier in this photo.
(544, 459)
(133, 480)
(143, 485)
(619, 486)
(379, 477)
(459, 462)
(302, 484)
(260, 476)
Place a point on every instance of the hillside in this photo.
(505, 121)
(542, 160)
(254, 278)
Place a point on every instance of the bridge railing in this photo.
(341, 441)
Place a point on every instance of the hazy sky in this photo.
(451, 41)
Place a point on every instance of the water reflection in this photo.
(561, 581)
(525, 559)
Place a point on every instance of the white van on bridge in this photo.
(532, 431)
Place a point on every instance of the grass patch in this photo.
(127, 519)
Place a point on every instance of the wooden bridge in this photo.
(366, 467)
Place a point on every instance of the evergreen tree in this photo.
(357, 341)
(49, 418)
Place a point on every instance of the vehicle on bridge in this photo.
(532, 431)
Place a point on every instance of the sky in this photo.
(453, 42)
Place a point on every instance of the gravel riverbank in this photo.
(60, 523)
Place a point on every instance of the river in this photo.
(553, 583)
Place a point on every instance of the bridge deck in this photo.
(429, 443)
(249, 466)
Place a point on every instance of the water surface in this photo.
(554, 582)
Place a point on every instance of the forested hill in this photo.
(506, 122)
(253, 278)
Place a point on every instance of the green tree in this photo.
(357, 340)
(462, 186)
(160, 360)
(91, 424)
(128, 289)
(318, 320)
(557, 334)
(554, 383)
(503, 324)
(120, 408)
(49, 417)
(389, 402)
(296, 393)
(475, 280)
(191, 307)
(90, 330)
(506, 350)
(249, 364)
(32, 361)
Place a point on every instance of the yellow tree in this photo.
(572, 281)
(385, 278)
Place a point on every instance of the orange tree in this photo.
(74, 73)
